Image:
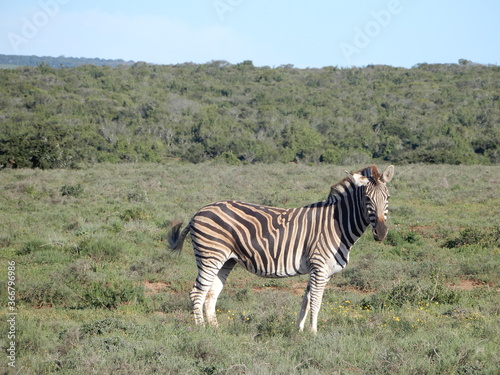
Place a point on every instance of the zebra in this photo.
(277, 242)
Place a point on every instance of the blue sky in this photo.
(305, 34)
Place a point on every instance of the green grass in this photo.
(97, 291)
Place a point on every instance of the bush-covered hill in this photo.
(53, 118)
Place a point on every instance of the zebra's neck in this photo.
(349, 213)
(341, 190)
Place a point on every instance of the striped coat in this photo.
(278, 242)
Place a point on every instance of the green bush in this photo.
(72, 190)
(228, 158)
(99, 249)
(105, 326)
(277, 325)
(110, 294)
(48, 293)
(30, 247)
(132, 214)
(331, 156)
(399, 238)
(475, 236)
(410, 294)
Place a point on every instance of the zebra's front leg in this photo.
(304, 310)
(317, 283)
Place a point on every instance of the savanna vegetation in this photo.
(70, 117)
(97, 292)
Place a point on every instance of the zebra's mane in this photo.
(339, 189)
(372, 173)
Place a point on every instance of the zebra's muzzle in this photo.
(380, 230)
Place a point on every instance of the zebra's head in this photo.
(376, 197)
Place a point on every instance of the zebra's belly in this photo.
(272, 270)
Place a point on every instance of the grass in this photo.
(97, 291)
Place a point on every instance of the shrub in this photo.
(396, 238)
(138, 195)
(48, 293)
(331, 156)
(359, 276)
(111, 294)
(228, 158)
(475, 236)
(411, 294)
(133, 214)
(30, 247)
(104, 326)
(72, 190)
(100, 249)
(274, 324)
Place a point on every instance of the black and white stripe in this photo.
(278, 242)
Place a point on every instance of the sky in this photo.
(313, 34)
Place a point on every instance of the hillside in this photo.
(52, 118)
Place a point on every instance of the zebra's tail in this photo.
(176, 237)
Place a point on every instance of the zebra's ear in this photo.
(388, 174)
(357, 179)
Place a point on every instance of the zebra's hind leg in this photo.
(213, 293)
(202, 285)
(197, 296)
(304, 310)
